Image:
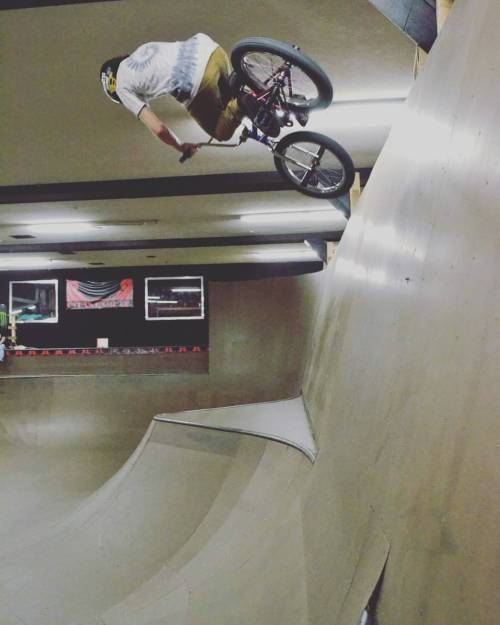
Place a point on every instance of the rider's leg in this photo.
(228, 121)
(266, 120)
(213, 108)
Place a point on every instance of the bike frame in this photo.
(257, 135)
(279, 82)
(269, 98)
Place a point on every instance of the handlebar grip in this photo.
(184, 157)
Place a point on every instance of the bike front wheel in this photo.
(261, 62)
(315, 164)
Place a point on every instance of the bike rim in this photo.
(263, 68)
(313, 167)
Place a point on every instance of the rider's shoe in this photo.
(248, 104)
(235, 84)
(302, 117)
(266, 121)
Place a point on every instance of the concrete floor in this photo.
(401, 385)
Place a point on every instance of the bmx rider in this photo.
(196, 72)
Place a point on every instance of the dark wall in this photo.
(123, 326)
(128, 326)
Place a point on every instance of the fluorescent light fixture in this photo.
(76, 227)
(186, 289)
(69, 227)
(165, 301)
(305, 254)
(12, 261)
(290, 217)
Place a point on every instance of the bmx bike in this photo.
(284, 83)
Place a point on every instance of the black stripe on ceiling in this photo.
(9, 5)
(207, 184)
(221, 272)
(146, 244)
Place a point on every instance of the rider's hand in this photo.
(189, 149)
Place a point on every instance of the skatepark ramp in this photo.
(185, 491)
(208, 527)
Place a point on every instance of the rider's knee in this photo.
(223, 134)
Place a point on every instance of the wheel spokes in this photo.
(305, 179)
(321, 151)
(265, 67)
(313, 167)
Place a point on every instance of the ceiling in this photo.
(61, 129)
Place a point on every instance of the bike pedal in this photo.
(302, 117)
(248, 104)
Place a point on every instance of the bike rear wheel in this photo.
(315, 164)
(261, 61)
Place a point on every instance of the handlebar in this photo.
(186, 156)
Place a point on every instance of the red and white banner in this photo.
(95, 295)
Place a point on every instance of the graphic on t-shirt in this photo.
(184, 71)
(142, 58)
(159, 68)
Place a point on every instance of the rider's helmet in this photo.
(107, 74)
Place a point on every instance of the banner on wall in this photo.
(87, 295)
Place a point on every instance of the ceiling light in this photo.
(126, 222)
(77, 227)
(304, 254)
(290, 217)
(70, 227)
(14, 261)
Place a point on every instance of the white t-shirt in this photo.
(159, 68)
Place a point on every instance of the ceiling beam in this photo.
(9, 5)
(207, 184)
(147, 244)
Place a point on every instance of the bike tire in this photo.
(290, 54)
(340, 186)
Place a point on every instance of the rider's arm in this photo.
(159, 129)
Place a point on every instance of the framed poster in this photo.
(89, 295)
(174, 298)
(34, 301)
